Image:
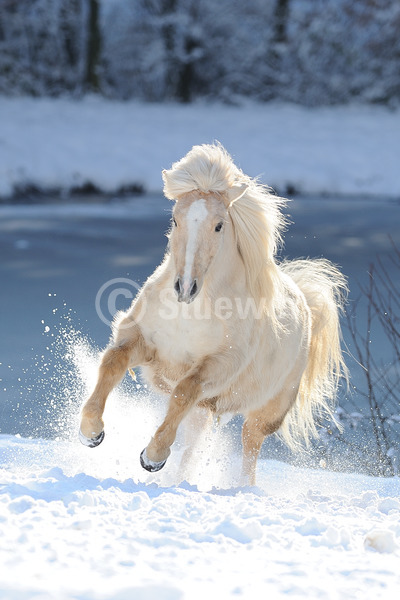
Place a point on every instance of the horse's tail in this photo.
(325, 290)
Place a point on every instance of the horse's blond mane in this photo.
(256, 215)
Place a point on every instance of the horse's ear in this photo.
(235, 192)
(167, 192)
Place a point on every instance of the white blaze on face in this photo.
(195, 216)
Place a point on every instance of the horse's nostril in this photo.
(177, 286)
(194, 288)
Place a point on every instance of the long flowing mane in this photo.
(256, 215)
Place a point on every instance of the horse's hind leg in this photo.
(257, 426)
(127, 352)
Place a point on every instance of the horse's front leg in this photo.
(206, 380)
(183, 398)
(129, 349)
(203, 381)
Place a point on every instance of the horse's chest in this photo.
(184, 340)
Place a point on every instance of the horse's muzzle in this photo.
(186, 290)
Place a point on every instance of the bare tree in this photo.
(381, 389)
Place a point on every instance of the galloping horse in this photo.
(220, 326)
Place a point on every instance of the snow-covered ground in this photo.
(87, 524)
(65, 143)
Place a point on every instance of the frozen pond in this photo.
(55, 258)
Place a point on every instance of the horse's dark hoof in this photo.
(91, 442)
(150, 465)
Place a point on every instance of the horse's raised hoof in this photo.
(150, 465)
(91, 442)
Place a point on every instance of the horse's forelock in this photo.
(193, 195)
(206, 168)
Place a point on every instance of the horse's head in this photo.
(199, 221)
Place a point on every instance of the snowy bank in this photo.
(63, 144)
(73, 527)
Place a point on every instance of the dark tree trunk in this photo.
(281, 20)
(276, 50)
(93, 47)
(186, 75)
(69, 31)
(180, 74)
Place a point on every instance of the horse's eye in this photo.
(175, 223)
(219, 226)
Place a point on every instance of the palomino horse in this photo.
(220, 326)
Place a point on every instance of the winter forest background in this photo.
(311, 52)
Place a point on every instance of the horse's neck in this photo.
(228, 278)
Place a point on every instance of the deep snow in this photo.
(64, 143)
(74, 525)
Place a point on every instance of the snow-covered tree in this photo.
(42, 46)
(339, 50)
(305, 51)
